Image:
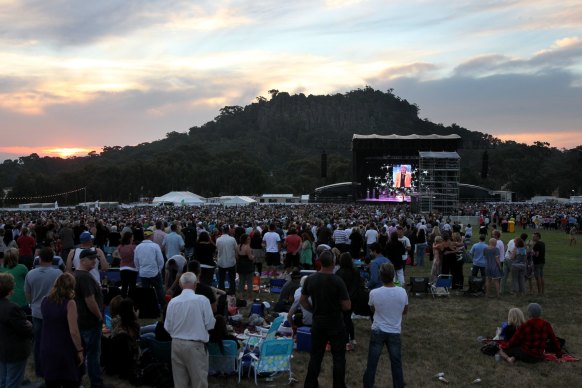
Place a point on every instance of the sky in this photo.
(77, 76)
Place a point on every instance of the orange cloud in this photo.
(558, 139)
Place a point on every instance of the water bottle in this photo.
(497, 357)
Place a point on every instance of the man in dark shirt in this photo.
(329, 297)
(190, 235)
(539, 259)
(89, 306)
(530, 339)
(287, 292)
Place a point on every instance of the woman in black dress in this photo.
(204, 253)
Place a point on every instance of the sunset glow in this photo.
(124, 73)
(67, 152)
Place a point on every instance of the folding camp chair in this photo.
(274, 357)
(252, 344)
(222, 363)
(262, 334)
(419, 285)
(276, 285)
(441, 286)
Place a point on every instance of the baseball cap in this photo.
(88, 254)
(85, 237)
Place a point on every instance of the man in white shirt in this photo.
(226, 259)
(406, 242)
(188, 319)
(507, 264)
(149, 262)
(371, 237)
(272, 245)
(389, 304)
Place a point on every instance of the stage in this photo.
(386, 199)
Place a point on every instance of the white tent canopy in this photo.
(231, 200)
(180, 198)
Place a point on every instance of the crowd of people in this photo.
(52, 265)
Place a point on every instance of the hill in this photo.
(274, 145)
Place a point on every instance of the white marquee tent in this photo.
(231, 200)
(180, 198)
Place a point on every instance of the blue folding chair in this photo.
(254, 341)
(222, 362)
(274, 358)
(441, 286)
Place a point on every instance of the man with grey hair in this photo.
(188, 319)
(530, 339)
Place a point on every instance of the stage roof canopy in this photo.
(405, 137)
(439, 155)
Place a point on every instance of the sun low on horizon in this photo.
(67, 152)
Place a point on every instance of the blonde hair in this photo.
(11, 256)
(63, 288)
(515, 317)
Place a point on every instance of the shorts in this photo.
(273, 259)
(538, 271)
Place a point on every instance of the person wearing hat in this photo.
(529, 342)
(73, 259)
(89, 302)
(288, 291)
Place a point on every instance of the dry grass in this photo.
(440, 335)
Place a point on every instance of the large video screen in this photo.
(402, 176)
(390, 182)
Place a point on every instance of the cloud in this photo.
(68, 23)
(563, 53)
(539, 104)
(417, 70)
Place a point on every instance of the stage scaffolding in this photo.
(439, 176)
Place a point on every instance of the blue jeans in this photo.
(12, 373)
(37, 333)
(92, 345)
(419, 255)
(392, 341)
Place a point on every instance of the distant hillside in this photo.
(274, 145)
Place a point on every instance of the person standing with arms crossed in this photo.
(329, 297)
(389, 304)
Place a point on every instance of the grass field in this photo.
(440, 335)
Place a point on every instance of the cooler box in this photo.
(304, 339)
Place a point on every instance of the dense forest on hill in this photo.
(275, 145)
